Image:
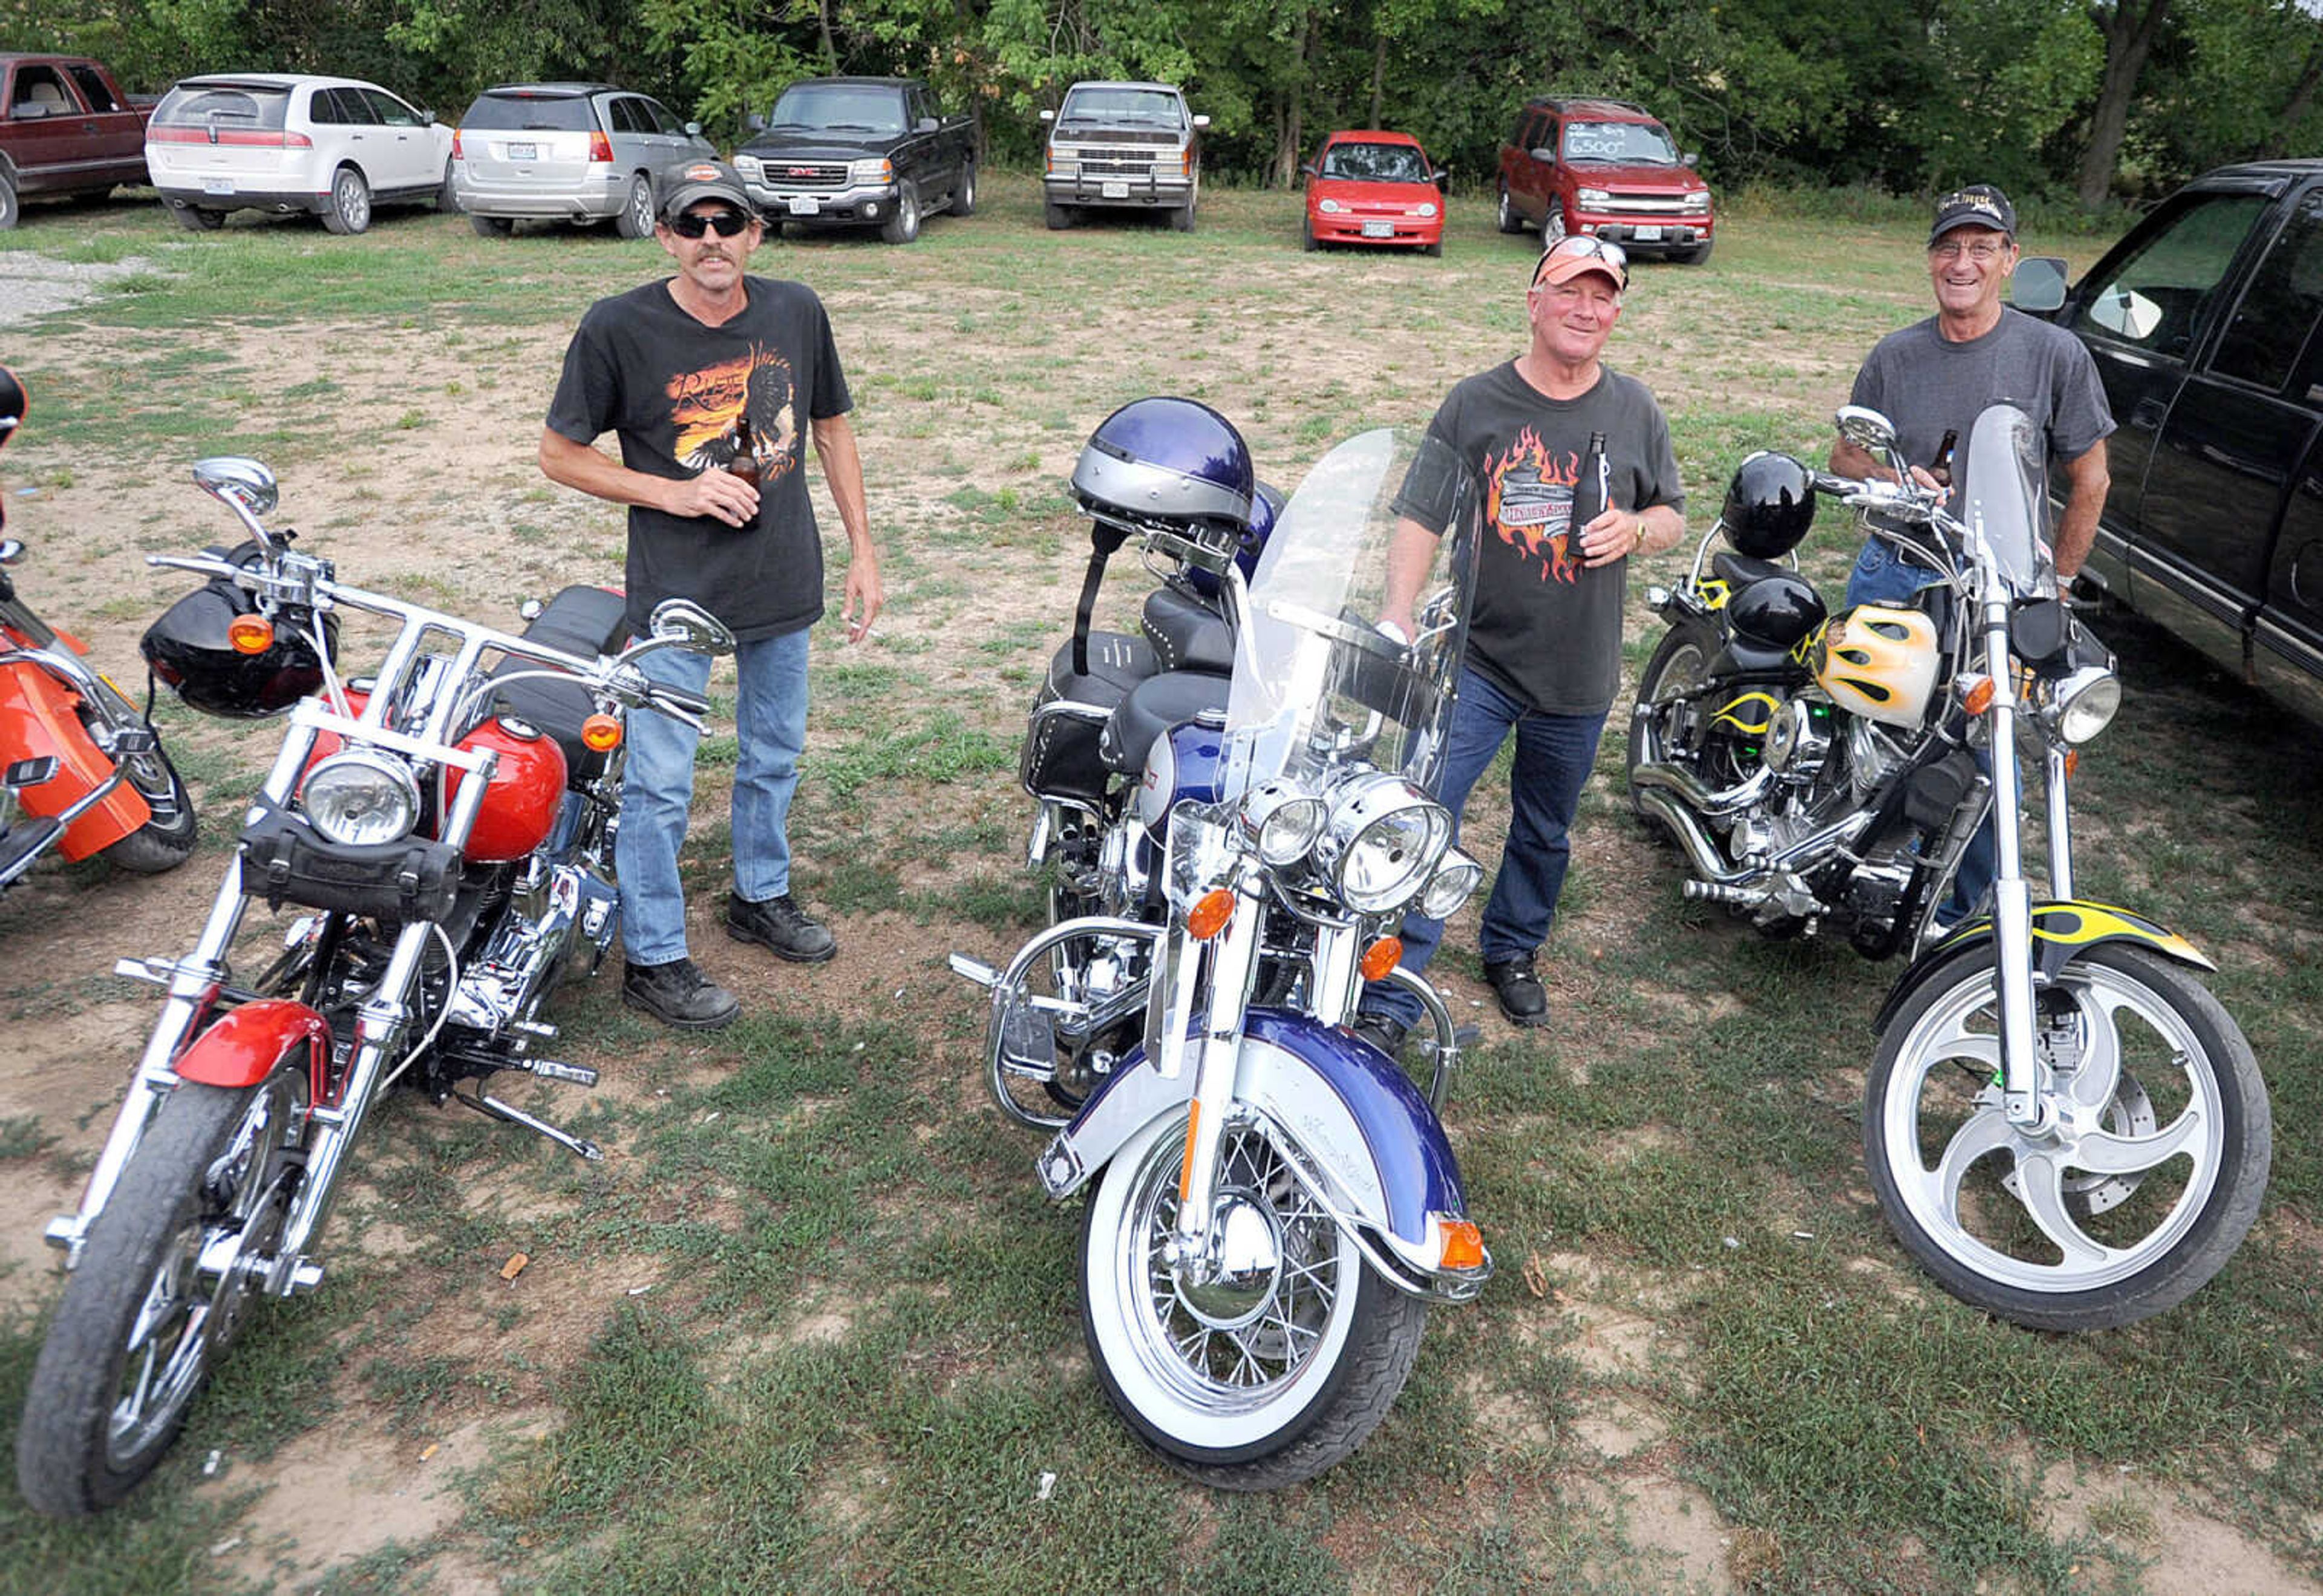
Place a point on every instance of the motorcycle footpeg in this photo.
(983, 975)
(572, 1075)
(1028, 1042)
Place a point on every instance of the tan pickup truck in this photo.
(66, 127)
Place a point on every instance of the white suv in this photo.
(274, 141)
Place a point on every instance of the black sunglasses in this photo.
(728, 224)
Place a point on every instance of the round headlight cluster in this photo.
(1423, 209)
(1383, 842)
(1455, 881)
(1281, 822)
(2084, 703)
(1329, 207)
(360, 797)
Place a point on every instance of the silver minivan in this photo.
(576, 152)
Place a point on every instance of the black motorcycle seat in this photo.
(583, 620)
(1739, 570)
(1187, 633)
(1153, 707)
(1118, 662)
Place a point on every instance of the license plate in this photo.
(1115, 190)
(217, 186)
(1646, 235)
(802, 206)
(1379, 230)
(524, 151)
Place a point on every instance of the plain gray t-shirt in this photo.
(1928, 385)
(1544, 628)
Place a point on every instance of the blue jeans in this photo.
(1554, 754)
(1882, 575)
(658, 789)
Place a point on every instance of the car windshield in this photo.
(1385, 524)
(502, 111)
(858, 108)
(1120, 105)
(201, 105)
(1633, 143)
(1375, 163)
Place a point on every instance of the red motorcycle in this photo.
(82, 768)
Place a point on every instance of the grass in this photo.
(812, 1326)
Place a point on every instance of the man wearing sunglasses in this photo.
(1936, 376)
(714, 379)
(1544, 642)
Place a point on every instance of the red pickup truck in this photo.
(66, 128)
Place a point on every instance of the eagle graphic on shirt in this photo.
(1528, 500)
(706, 408)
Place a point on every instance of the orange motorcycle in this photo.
(81, 769)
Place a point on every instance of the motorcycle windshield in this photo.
(1377, 547)
(2005, 496)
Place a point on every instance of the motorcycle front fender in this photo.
(1367, 1132)
(38, 721)
(2062, 929)
(247, 1045)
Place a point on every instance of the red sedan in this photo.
(1373, 188)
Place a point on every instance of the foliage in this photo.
(1910, 97)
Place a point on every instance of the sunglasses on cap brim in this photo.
(1585, 248)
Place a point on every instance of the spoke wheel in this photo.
(349, 210)
(1659, 726)
(1271, 1373)
(2141, 1192)
(167, 841)
(169, 1266)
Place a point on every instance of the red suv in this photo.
(1604, 167)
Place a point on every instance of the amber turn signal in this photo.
(249, 634)
(1463, 1245)
(2073, 763)
(1209, 914)
(1381, 957)
(1975, 694)
(602, 733)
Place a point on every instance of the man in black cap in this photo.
(712, 380)
(1933, 378)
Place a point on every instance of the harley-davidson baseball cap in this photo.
(697, 180)
(1979, 205)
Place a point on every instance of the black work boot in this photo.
(677, 993)
(1523, 999)
(780, 924)
(1384, 1031)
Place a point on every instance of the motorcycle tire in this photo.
(167, 841)
(1331, 1343)
(2183, 1132)
(138, 1330)
(1680, 662)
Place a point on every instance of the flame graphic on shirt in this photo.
(705, 405)
(1529, 500)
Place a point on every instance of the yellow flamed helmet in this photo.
(1879, 662)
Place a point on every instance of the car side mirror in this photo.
(693, 130)
(2038, 286)
(1048, 115)
(1306, 169)
(1542, 153)
(1692, 160)
(927, 124)
(427, 119)
(684, 624)
(1200, 123)
(1442, 176)
(756, 122)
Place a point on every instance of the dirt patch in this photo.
(2181, 1547)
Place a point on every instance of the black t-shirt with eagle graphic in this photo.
(673, 391)
(1544, 628)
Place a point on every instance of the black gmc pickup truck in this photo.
(859, 153)
(2207, 326)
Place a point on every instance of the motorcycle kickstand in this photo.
(493, 1109)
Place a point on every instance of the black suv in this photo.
(2207, 326)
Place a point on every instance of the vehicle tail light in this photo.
(455, 144)
(601, 149)
(297, 142)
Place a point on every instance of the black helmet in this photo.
(1769, 505)
(1776, 611)
(190, 652)
(1169, 461)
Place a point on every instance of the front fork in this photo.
(1225, 966)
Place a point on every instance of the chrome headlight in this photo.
(1382, 840)
(747, 167)
(1592, 195)
(1281, 822)
(360, 797)
(1455, 881)
(2083, 704)
(871, 171)
(1698, 201)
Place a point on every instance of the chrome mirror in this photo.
(246, 484)
(1866, 428)
(681, 623)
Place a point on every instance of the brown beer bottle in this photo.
(745, 464)
(1943, 468)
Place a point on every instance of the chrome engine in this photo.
(556, 914)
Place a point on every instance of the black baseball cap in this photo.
(1979, 205)
(697, 180)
